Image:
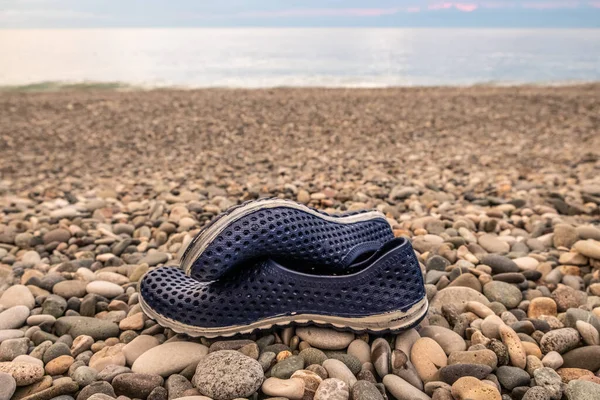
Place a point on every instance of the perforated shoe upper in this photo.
(390, 281)
(287, 235)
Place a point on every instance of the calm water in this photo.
(299, 57)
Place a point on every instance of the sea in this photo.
(298, 57)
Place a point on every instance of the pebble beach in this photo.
(498, 189)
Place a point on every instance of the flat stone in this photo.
(109, 355)
(511, 377)
(57, 235)
(11, 334)
(84, 376)
(470, 388)
(589, 248)
(96, 388)
(363, 390)
(283, 388)
(359, 349)
(332, 389)
(541, 306)
(139, 346)
(68, 289)
(311, 381)
(12, 348)
(566, 297)
(137, 386)
(452, 373)
(511, 340)
(500, 264)
(337, 369)
(457, 296)
(23, 373)
(402, 390)
(325, 339)
(285, 368)
(449, 340)
(17, 295)
(96, 328)
(7, 386)
(14, 317)
(169, 358)
(565, 235)
(505, 293)
(537, 393)
(428, 357)
(155, 258)
(227, 374)
(381, 354)
(104, 289)
(492, 244)
(587, 357)
(582, 390)
(313, 356)
(559, 340)
(485, 357)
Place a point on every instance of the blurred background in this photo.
(269, 43)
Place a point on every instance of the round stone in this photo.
(227, 374)
(285, 368)
(505, 293)
(312, 356)
(511, 377)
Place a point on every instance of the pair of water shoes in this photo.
(274, 262)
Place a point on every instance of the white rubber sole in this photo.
(378, 323)
(207, 236)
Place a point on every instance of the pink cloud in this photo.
(440, 6)
(595, 4)
(317, 12)
(413, 9)
(466, 7)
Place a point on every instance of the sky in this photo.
(300, 13)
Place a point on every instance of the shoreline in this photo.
(82, 86)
